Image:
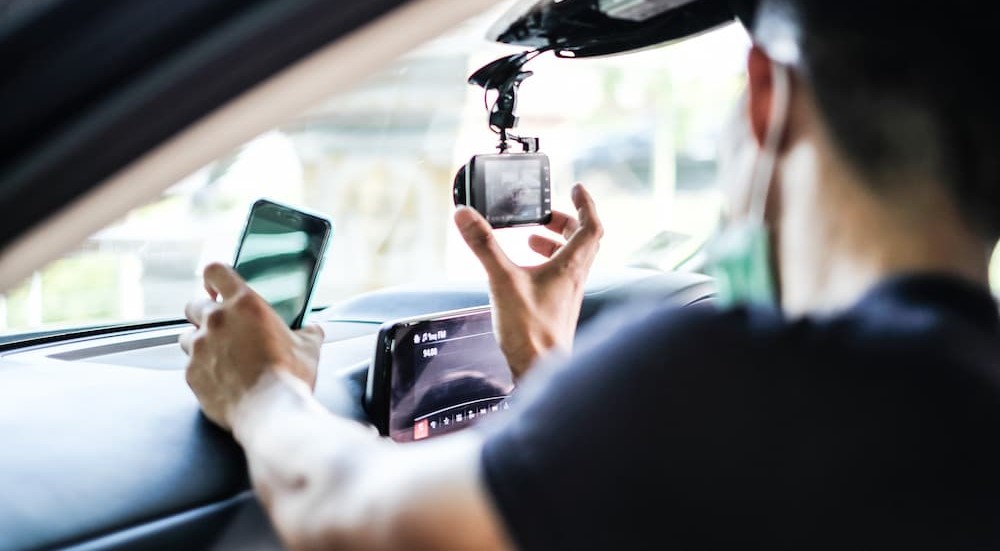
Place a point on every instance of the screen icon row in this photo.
(449, 420)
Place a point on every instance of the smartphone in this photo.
(280, 255)
(508, 189)
(435, 374)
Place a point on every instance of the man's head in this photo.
(890, 122)
(902, 87)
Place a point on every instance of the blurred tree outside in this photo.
(83, 287)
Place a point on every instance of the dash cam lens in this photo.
(459, 190)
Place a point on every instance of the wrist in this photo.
(275, 389)
(538, 345)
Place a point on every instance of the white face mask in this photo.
(739, 257)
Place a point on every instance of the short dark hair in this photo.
(903, 88)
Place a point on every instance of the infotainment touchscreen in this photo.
(437, 374)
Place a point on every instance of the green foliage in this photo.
(81, 289)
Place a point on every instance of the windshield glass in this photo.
(640, 130)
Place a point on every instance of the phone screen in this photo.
(280, 256)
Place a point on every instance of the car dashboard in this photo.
(127, 460)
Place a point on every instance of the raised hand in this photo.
(536, 308)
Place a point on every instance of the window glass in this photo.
(640, 130)
(995, 270)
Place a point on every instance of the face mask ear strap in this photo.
(764, 168)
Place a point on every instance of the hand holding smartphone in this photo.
(280, 255)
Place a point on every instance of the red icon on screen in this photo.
(421, 430)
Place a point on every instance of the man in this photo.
(862, 414)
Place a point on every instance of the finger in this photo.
(586, 209)
(563, 224)
(582, 247)
(544, 246)
(479, 237)
(211, 292)
(184, 339)
(223, 280)
(197, 310)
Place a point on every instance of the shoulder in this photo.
(638, 377)
(643, 351)
(701, 330)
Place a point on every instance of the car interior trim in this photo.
(307, 82)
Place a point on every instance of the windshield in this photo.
(640, 130)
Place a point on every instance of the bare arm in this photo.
(325, 481)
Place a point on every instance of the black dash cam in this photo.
(508, 189)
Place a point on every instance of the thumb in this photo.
(221, 280)
(479, 237)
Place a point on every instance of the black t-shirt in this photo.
(876, 428)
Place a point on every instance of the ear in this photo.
(760, 92)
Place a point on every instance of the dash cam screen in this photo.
(447, 374)
(513, 190)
